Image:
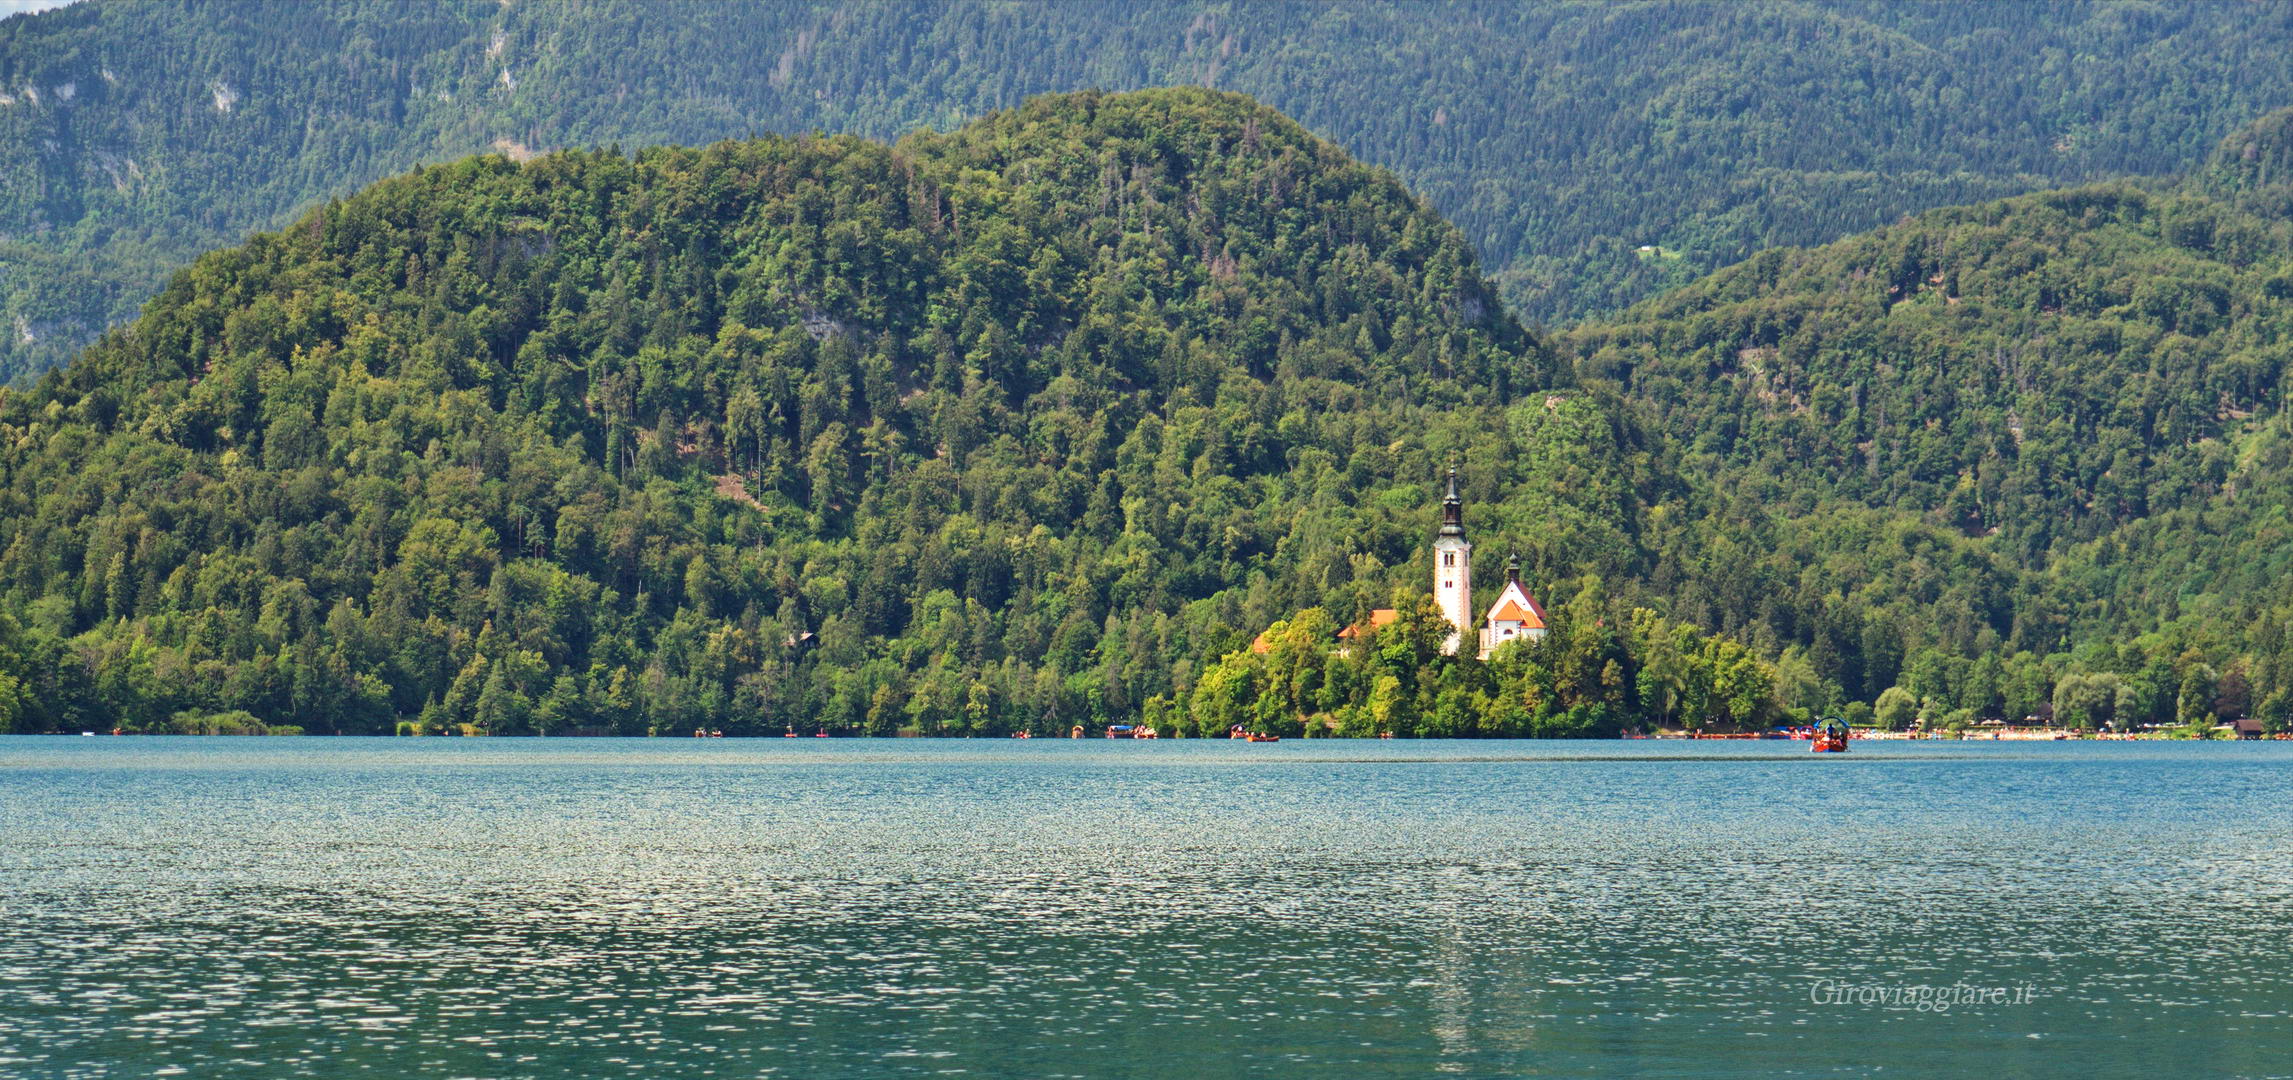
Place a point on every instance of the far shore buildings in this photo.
(1515, 615)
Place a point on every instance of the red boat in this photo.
(1830, 736)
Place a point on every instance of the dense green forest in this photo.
(1594, 153)
(1041, 420)
(2068, 407)
(999, 428)
(2022, 456)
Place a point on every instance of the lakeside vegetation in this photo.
(1588, 677)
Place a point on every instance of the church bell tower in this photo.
(1453, 567)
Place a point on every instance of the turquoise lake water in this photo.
(853, 908)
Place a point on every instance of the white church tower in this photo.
(1453, 568)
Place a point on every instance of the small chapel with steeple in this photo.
(1514, 616)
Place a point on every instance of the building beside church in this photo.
(1514, 616)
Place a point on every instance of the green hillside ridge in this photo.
(1998, 459)
(2047, 368)
(1016, 422)
(2255, 160)
(1037, 422)
(2079, 392)
(1562, 138)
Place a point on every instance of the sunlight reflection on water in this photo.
(329, 907)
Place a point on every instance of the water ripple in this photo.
(290, 908)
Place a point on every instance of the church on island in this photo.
(1514, 615)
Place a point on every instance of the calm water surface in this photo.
(844, 908)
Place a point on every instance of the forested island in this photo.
(1041, 421)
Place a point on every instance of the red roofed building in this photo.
(1381, 617)
(1516, 616)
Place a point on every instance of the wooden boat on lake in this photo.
(1830, 736)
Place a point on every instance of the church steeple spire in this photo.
(1452, 508)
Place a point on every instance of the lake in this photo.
(856, 908)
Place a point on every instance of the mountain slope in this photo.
(2081, 390)
(2047, 367)
(1563, 138)
(992, 429)
(1023, 424)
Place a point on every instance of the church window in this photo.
(1448, 584)
(1448, 558)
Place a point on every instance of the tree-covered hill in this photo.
(1042, 419)
(2080, 390)
(2045, 368)
(1003, 427)
(1593, 153)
